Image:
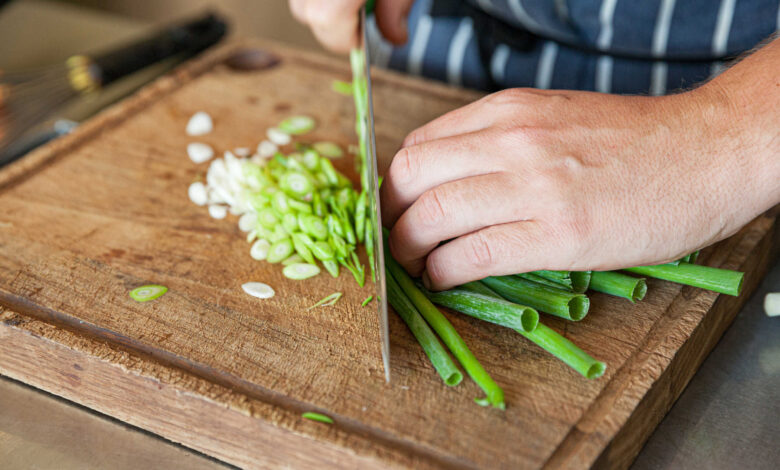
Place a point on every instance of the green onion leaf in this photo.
(318, 417)
(327, 301)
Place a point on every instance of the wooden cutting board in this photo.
(95, 214)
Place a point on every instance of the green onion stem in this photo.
(619, 285)
(446, 332)
(487, 308)
(556, 302)
(568, 352)
(441, 361)
(719, 280)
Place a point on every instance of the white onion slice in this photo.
(199, 124)
(217, 211)
(259, 250)
(277, 136)
(247, 222)
(266, 149)
(198, 194)
(258, 289)
(199, 152)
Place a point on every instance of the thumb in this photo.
(391, 18)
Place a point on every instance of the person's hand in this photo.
(524, 180)
(335, 22)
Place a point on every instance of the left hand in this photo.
(523, 180)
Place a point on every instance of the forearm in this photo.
(750, 91)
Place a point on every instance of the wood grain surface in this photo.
(104, 210)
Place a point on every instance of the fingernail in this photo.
(426, 280)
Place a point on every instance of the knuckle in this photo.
(479, 252)
(404, 168)
(431, 208)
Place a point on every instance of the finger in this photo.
(417, 169)
(391, 18)
(334, 22)
(495, 251)
(469, 118)
(454, 209)
(298, 9)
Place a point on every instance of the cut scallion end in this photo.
(568, 305)
(568, 352)
(148, 292)
(619, 285)
(319, 417)
(327, 301)
(718, 280)
(486, 307)
(300, 271)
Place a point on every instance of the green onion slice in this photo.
(327, 301)
(300, 271)
(148, 292)
(368, 299)
(318, 417)
(328, 149)
(297, 125)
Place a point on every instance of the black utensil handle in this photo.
(188, 38)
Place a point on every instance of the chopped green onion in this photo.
(327, 301)
(332, 267)
(360, 216)
(367, 300)
(301, 242)
(568, 352)
(300, 271)
(328, 149)
(438, 356)
(297, 125)
(318, 417)
(341, 87)
(322, 251)
(280, 250)
(296, 184)
(148, 292)
(294, 258)
(619, 285)
(314, 226)
(260, 249)
(719, 280)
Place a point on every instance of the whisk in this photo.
(28, 97)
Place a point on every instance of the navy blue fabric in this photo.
(692, 45)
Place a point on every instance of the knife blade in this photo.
(361, 82)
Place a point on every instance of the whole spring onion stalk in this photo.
(619, 285)
(719, 280)
(487, 308)
(441, 361)
(547, 299)
(554, 343)
(446, 332)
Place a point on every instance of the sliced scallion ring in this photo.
(258, 289)
(292, 259)
(148, 292)
(297, 125)
(300, 271)
(328, 149)
(260, 249)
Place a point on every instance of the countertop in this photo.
(726, 418)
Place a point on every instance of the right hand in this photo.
(335, 22)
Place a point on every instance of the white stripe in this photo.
(544, 71)
(605, 19)
(498, 63)
(658, 79)
(604, 41)
(720, 37)
(522, 16)
(604, 74)
(380, 49)
(417, 50)
(458, 51)
(660, 41)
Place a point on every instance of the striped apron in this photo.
(612, 46)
